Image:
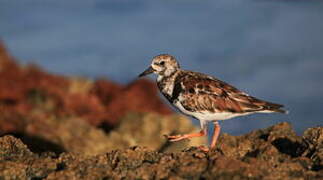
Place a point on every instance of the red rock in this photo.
(106, 90)
(28, 88)
(86, 106)
(139, 96)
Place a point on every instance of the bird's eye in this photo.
(162, 63)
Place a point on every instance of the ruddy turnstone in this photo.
(203, 97)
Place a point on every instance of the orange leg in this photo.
(186, 136)
(216, 133)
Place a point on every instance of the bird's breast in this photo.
(166, 85)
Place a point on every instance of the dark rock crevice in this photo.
(286, 146)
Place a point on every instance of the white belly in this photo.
(207, 116)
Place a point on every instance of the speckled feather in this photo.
(202, 93)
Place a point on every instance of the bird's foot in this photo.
(176, 138)
(185, 136)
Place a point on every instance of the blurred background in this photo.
(272, 49)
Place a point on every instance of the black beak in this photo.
(147, 71)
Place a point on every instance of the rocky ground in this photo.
(272, 153)
(56, 127)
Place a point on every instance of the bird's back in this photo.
(202, 93)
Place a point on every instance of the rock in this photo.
(105, 90)
(71, 134)
(148, 129)
(280, 138)
(12, 149)
(18, 162)
(26, 89)
(138, 96)
(143, 163)
(275, 151)
(313, 139)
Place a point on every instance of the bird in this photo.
(203, 97)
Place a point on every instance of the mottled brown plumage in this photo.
(205, 93)
(203, 97)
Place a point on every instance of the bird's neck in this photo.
(166, 83)
(167, 75)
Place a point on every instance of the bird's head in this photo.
(163, 65)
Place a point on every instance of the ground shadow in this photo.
(38, 144)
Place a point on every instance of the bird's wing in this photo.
(205, 93)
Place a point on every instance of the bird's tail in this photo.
(273, 107)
